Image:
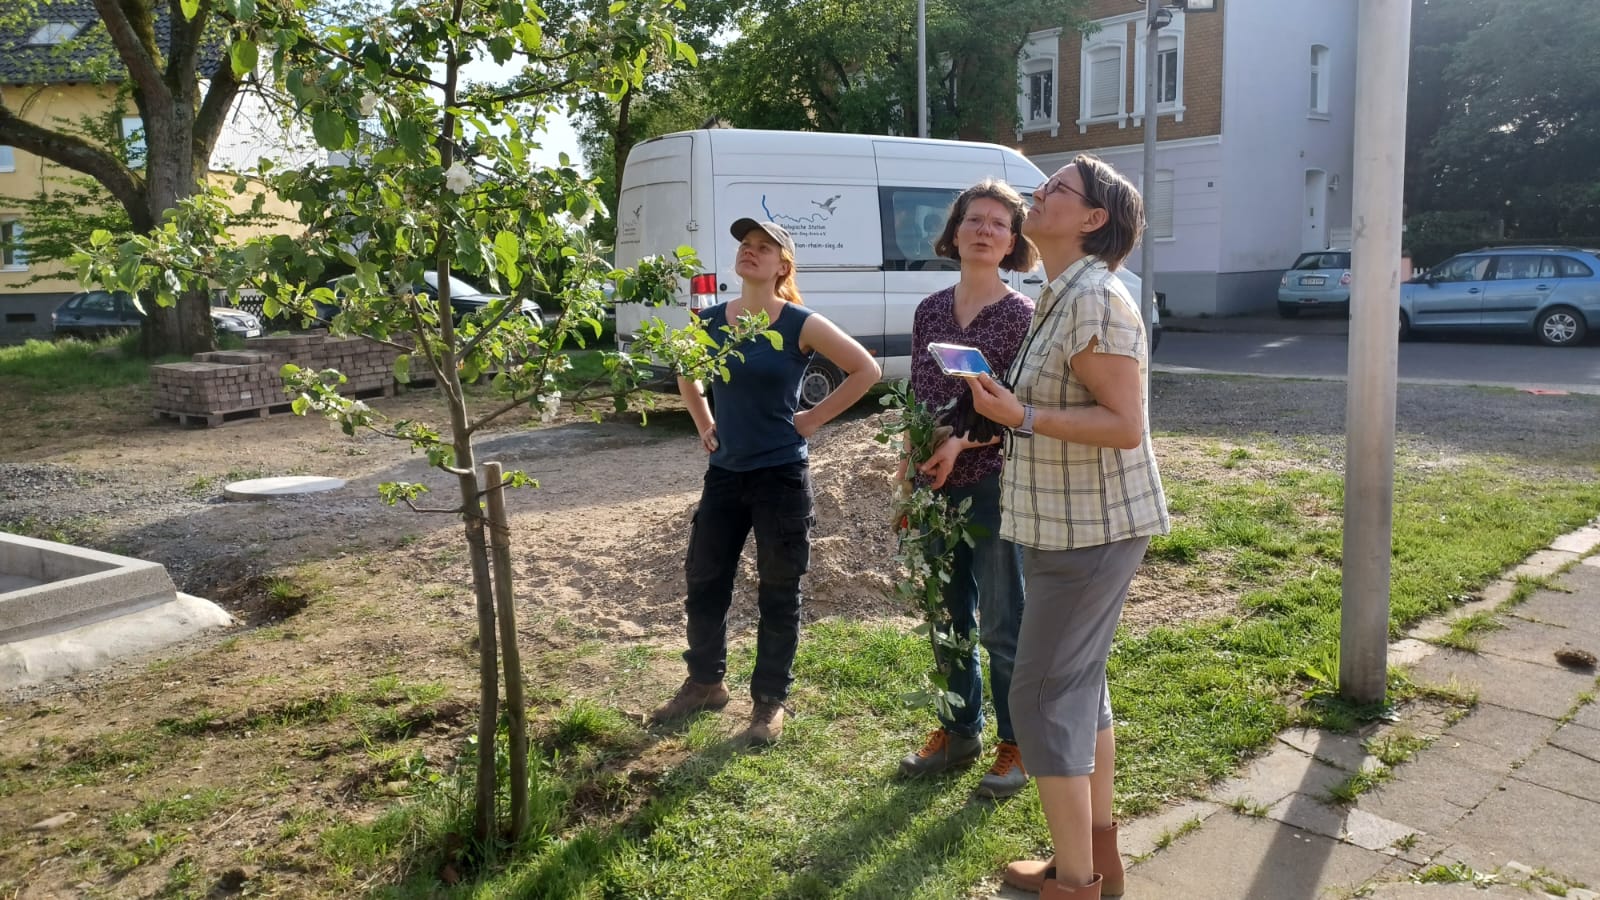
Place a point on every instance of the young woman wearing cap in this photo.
(984, 233)
(758, 479)
(1083, 497)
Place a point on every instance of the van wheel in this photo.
(821, 378)
(1561, 326)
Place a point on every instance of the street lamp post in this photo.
(1156, 17)
(922, 68)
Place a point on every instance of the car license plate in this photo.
(1313, 281)
(253, 332)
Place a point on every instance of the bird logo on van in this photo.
(827, 205)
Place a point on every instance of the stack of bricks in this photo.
(229, 384)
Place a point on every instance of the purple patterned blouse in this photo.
(997, 330)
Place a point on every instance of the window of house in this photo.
(1103, 87)
(51, 33)
(12, 259)
(1158, 212)
(1036, 80)
(1169, 72)
(1319, 80)
(133, 139)
(8, 159)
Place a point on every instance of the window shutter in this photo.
(1105, 83)
(1159, 213)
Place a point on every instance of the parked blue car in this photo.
(1551, 292)
(89, 314)
(1319, 279)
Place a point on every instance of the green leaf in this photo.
(191, 8)
(402, 368)
(328, 126)
(506, 250)
(243, 56)
(300, 405)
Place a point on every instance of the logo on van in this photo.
(825, 210)
(628, 229)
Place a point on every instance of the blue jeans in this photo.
(984, 593)
(775, 502)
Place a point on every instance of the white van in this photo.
(864, 211)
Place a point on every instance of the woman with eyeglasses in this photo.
(1082, 496)
(984, 234)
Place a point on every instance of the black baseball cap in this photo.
(775, 231)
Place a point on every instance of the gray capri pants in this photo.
(1059, 699)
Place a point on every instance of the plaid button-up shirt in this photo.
(1060, 495)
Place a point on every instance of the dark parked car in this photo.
(1550, 292)
(96, 313)
(465, 299)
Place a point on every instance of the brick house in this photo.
(1255, 129)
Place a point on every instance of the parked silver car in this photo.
(1550, 292)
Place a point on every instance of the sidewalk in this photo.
(1309, 323)
(1504, 801)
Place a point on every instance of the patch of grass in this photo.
(1406, 843)
(1348, 791)
(42, 368)
(1453, 873)
(1396, 747)
(1170, 836)
(1246, 806)
(191, 806)
(1465, 631)
(585, 722)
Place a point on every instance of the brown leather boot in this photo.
(1028, 875)
(1055, 890)
(766, 724)
(690, 698)
(1108, 861)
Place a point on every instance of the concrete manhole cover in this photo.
(282, 486)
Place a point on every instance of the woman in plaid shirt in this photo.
(1081, 494)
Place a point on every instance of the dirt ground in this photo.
(385, 590)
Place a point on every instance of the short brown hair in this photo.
(1023, 256)
(1106, 189)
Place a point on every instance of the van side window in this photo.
(912, 219)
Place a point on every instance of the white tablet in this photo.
(964, 362)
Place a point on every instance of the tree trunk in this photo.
(505, 604)
(622, 140)
(488, 672)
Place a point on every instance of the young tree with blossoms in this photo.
(431, 172)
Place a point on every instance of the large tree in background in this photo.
(1505, 115)
(851, 65)
(183, 67)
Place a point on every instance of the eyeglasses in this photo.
(1061, 185)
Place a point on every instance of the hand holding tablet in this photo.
(962, 362)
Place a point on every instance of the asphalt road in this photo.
(1501, 361)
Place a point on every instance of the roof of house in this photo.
(83, 51)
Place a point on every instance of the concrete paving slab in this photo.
(1533, 641)
(282, 486)
(1141, 836)
(1433, 791)
(1356, 826)
(1343, 751)
(1579, 739)
(1544, 563)
(1409, 652)
(1406, 890)
(1579, 612)
(1508, 735)
(1236, 857)
(1505, 682)
(1567, 771)
(1584, 540)
(1588, 715)
(1274, 776)
(1592, 561)
(1537, 827)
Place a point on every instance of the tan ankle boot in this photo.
(1028, 875)
(1108, 860)
(1055, 890)
(692, 697)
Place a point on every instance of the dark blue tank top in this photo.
(755, 408)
